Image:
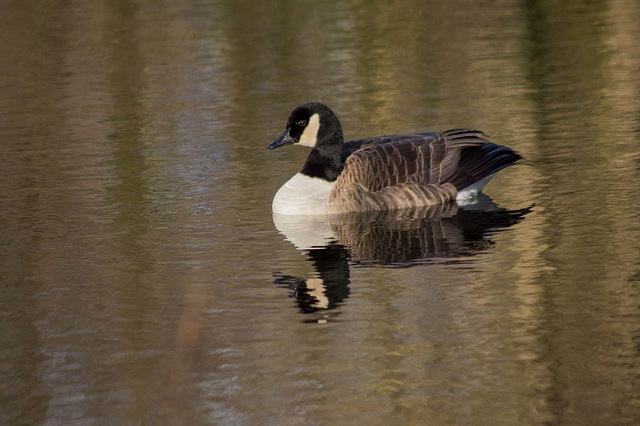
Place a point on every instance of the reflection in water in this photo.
(327, 286)
(396, 238)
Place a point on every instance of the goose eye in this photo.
(301, 123)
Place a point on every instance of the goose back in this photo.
(396, 171)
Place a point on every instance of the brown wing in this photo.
(424, 158)
(421, 169)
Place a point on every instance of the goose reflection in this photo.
(398, 238)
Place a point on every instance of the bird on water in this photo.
(383, 172)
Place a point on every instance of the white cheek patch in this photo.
(310, 134)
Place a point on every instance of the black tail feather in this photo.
(478, 162)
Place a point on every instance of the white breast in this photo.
(303, 195)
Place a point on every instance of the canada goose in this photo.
(384, 172)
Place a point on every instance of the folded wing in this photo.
(413, 170)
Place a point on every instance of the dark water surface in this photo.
(143, 279)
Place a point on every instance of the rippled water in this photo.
(143, 279)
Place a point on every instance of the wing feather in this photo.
(418, 169)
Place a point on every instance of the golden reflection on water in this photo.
(137, 248)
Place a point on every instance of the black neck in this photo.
(325, 160)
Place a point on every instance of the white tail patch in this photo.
(310, 134)
(471, 191)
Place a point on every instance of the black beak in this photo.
(283, 140)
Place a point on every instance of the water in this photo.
(143, 279)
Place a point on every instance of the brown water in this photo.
(142, 277)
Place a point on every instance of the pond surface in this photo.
(143, 279)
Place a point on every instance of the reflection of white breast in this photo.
(305, 232)
(302, 195)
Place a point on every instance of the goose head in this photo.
(313, 125)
